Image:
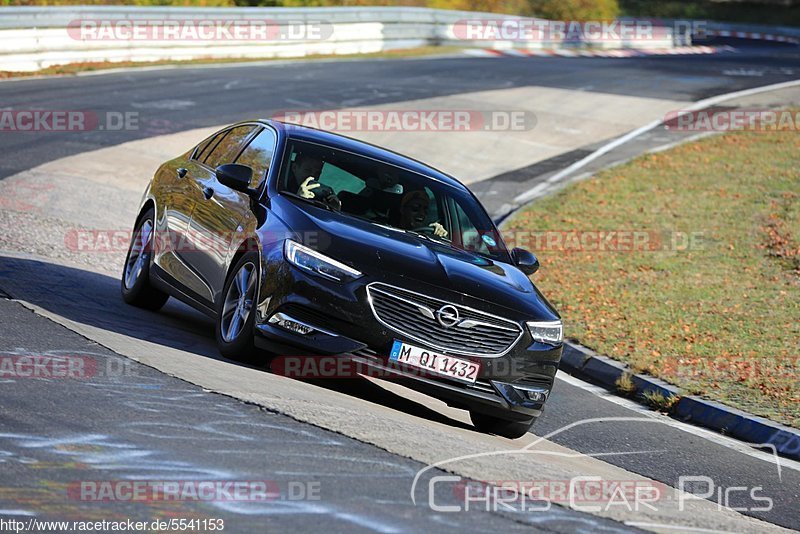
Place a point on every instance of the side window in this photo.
(258, 155)
(228, 148)
(205, 147)
(340, 180)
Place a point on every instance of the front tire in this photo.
(501, 427)
(236, 311)
(135, 284)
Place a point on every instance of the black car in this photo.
(303, 242)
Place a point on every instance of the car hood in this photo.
(385, 254)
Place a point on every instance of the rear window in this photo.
(258, 155)
(205, 147)
(228, 147)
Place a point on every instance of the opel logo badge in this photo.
(447, 316)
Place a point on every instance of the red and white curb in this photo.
(751, 35)
(628, 52)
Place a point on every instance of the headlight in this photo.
(312, 261)
(550, 332)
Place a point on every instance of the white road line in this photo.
(18, 512)
(661, 526)
(714, 437)
(700, 104)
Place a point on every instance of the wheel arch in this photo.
(251, 243)
(248, 244)
(148, 203)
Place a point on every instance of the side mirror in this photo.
(525, 260)
(235, 176)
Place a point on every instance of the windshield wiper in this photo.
(404, 231)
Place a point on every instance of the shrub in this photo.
(580, 10)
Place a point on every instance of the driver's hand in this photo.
(307, 188)
(438, 229)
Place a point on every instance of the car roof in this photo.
(304, 133)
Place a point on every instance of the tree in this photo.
(513, 7)
(573, 9)
(317, 3)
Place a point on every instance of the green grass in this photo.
(625, 385)
(74, 68)
(657, 401)
(720, 319)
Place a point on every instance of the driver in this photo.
(414, 211)
(308, 168)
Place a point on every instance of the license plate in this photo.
(449, 366)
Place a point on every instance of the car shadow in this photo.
(93, 299)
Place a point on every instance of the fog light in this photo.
(290, 324)
(536, 396)
(533, 394)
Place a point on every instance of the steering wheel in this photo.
(425, 230)
(325, 193)
(322, 192)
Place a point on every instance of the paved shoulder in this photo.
(88, 435)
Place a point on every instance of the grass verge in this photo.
(75, 68)
(708, 296)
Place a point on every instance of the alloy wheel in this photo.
(238, 302)
(138, 254)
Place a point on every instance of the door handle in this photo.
(182, 172)
(208, 192)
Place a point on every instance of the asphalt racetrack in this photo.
(177, 410)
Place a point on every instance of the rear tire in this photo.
(501, 427)
(236, 312)
(135, 284)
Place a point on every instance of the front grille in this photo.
(367, 352)
(483, 385)
(414, 315)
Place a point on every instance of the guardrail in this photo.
(32, 38)
(758, 32)
(700, 29)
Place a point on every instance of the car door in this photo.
(224, 214)
(178, 195)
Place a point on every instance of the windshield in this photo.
(389, 196)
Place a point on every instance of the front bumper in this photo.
(515, 385)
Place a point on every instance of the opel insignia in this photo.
(303, 242)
